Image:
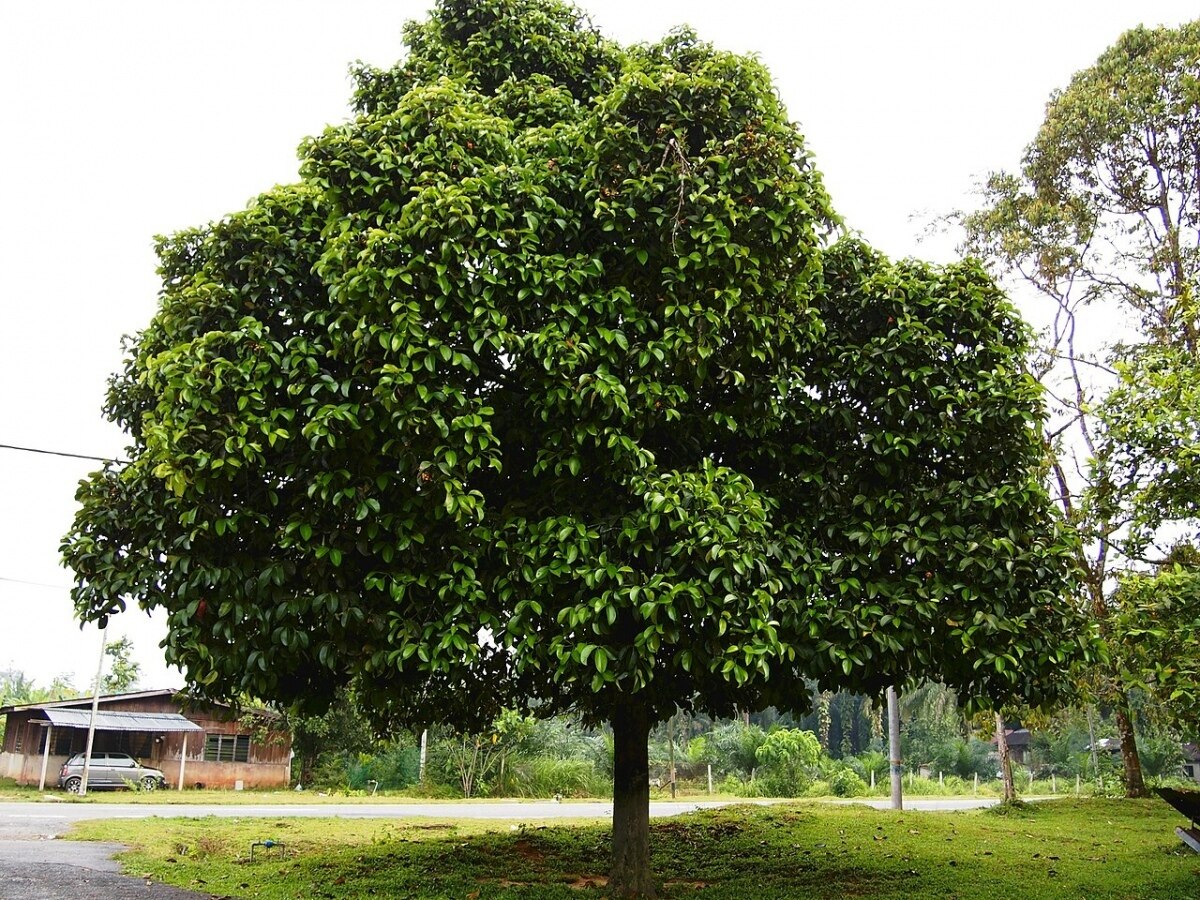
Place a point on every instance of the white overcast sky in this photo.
(121, 120)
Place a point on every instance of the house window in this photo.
(227, 748)
(60, 743)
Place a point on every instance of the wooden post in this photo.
(710, 778)
(182, 761)
(671, 746)
(424, 750)
(1053, 784)
(46, 756)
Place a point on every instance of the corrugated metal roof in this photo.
(120, 721)
(87, 701)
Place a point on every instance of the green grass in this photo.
(1066, 849)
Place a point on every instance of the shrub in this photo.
(546, 777)
(866, 763)
(818, 788)
(756, 788)
(396, 766)
(788, 757)
(734, 747)
(731, 785)
(846, 783)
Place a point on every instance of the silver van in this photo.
(109, 770)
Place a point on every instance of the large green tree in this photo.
(545, 388)
(1102, 220)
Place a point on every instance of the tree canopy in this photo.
(1102, 219)
(548, 386)
(123, 671)
(1158, 620)
(1106, 205)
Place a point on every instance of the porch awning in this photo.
(120, 721)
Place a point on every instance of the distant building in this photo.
(195, 744)
(1018, 740)
(1191, 762)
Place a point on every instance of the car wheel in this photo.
(149, 783)
(72, 785)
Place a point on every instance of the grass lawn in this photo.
(1065, 849)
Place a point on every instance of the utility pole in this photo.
(893, 707)
(87, 756)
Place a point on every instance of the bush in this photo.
(846, 783)
(778, 783)
(394, 767)
(818, 789)
(788, 757)
(546, 777)
(734, 748)
(870, 762)
(1161, 754)
(755, 788)
(731, 785)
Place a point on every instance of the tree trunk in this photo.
(630, 876)
(896, 764)
(1135, 785)
(1010, 789)
(308, 762)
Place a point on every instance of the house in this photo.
(1018, 741)
(194, 743)
(1191, 762)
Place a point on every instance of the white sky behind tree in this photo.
(123, 120)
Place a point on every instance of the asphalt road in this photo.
(48, 818)
(34, 866)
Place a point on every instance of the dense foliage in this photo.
(544, 388)
(568, 366)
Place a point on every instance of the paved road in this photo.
(45, 819)
(33, 866)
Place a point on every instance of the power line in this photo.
(42, 584)
(104, 459)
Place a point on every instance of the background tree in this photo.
(122, 674)
(1103, 221)
(1151, 432)
(1158, 620)
(340, 732)
(17, 688)
(545, 390)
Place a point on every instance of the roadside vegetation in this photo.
(836, 751)
(763, 754)
(1065, 849)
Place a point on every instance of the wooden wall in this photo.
(268, 765)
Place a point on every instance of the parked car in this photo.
(109, 770)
